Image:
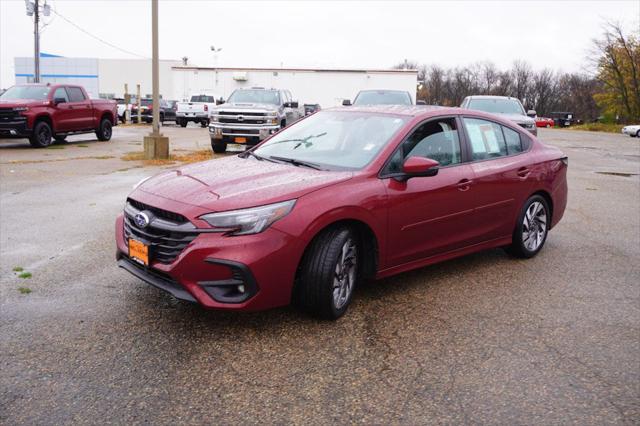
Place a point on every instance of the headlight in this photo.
(249, 221)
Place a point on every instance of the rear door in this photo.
(501, 173)
(82, 116)
(434, 214)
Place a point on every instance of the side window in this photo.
(486, 139)
(436, 139)
(514, 145)
(61, 93)
(75, 94)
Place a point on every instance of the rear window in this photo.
(203, 98)
(75, 94)
(497, 106)
(379, 97)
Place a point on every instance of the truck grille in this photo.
(8, 114)
(234, 120)
(246, 114)
(166, 237)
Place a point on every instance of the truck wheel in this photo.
(60, 138)
(204, 123)
(41, 136)
(218, 146)
(182, 122)
(330, 270)
(104, 131)
(283, 124)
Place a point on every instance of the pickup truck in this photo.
(45, 113)
(251, 115)
(196, 110)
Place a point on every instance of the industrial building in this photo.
(107, 78)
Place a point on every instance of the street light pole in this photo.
(156, 146)
(36, 42)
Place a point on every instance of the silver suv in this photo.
(504, 106)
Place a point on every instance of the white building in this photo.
(107, 78)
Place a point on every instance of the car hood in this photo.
(246, 106)
(12, 103)
(234, 183)
(517, 118)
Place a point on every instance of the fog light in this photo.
(241, 288)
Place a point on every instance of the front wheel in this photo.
(548, 125)
(218, 146)
(531, 229)
(104, 130)
(41, 136)
(329, 273)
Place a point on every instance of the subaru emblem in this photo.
(141, 219)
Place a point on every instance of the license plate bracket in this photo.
(139, 251)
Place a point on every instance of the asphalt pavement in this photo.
(482, 339)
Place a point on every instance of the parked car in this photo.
(380, 97)
(251, 115)
(311, 108)
(544, 122)
(633, 131)
(197, 110)
(503, 106)
(167, 111)
(44, 113)
(341, 196)
(563, 118)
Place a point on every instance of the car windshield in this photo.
(38, 93)
(497, 106)
(334, 139)
(382, 97)
(255, 97)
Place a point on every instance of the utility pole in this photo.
(36, 42)
(156, 146)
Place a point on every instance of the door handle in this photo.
(464, 184)
(523, 172)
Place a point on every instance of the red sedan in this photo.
(340, 197)
(544, 122)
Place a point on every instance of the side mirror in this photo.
(294, 104)
(419, 166)
(421, 102)
(220, 101)
(57, 101)
(531, 113)
(346, 102)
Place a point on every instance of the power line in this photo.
(98, 38)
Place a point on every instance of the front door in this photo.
(63, 115)
(434, 214)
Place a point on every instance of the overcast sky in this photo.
(357, 34)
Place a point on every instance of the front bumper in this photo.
(209, 270)
(16, 128)
(260, 131)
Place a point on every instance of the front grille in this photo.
(164, 245)
(252, 114)
(174, 217)
(8, 114)
(234, 120)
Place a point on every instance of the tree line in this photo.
(609, 91)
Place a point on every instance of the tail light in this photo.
(206, 108)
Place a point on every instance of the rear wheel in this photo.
(104, 130)
(182, 122)
(204, 123)
(531, 229)
(329, 273)
(41, 136)
(219, 146)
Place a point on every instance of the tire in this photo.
(41, 136)
(161, 118)
(638, 134)
(60, 139)
(330, 271)
(548, 125)
(283, 124)
(105, 130)
(218, 146)
(204, 123)
(182, 122)
(522, 245)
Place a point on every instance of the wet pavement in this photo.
(481, 339)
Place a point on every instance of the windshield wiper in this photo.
(301, 141)
(296, 162)
(248, 153)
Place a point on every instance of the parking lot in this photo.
(481, 339)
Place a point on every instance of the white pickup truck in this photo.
(196, 110)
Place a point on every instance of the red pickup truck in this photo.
(45, 113)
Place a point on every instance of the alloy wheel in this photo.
(345, 274)
(534, 226)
